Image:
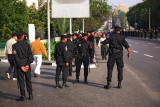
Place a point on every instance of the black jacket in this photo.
(22, 53)
(70, 47)
(116, 42)
(61, 54)
(84, 48)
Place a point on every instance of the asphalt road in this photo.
(140, 87)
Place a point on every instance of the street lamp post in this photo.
(48, 23)
(149, 18)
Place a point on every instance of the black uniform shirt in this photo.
(84, 48)
(22, 53)
(91, 38)
(116, 42)
(70, 47)
(61, 54)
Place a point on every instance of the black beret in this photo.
(68, 35)
(63, 36)
(84, 34)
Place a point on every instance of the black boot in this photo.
(57, 84)
(85, 80)
(107, 86)
(30, 97)
(119, 85)
(21, 98)
(64, 85)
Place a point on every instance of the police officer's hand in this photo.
(67, 64)
(92, 59)
(128, 55)
(73, 59)
(25, 68)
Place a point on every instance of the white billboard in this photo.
(70, 9)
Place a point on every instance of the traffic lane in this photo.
(146, 48)
(146, 68)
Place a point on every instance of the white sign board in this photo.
(70, 9)
(31, 32)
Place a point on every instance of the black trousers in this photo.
(118, 59)
(85, 61)
(70, 67)
(62, 69)
(12, 65)
(24, 77)
(104, 51)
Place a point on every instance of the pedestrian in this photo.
(62, 61)
(116, 42)
(9, 55)
(84, 49)
(38, 49)
(70, 47)
(23, 57)
(104, 48)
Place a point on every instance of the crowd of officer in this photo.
(72, 50)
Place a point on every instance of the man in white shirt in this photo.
(8, 51)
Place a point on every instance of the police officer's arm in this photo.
(91, 51)
(16, 56)
(30, 54)
(55, 52)
(106, 41)
(125, 44)
(65, 54)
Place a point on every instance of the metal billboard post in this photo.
(83, 25)
(48, 23)
(70, 26)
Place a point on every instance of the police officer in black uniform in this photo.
(23, 57)
(70, 47)
(62, 61)
(116, 42)
(84, 52)
(75, 42)
(91, 40)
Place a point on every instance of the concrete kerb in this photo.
(49, 63)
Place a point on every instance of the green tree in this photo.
(14, 17)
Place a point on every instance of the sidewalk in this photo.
(44, 62)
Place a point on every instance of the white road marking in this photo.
(148, 55)
(145, 45)
(150, 43)
(130, 44)
(136, 43)
(157, 47)
(135, 51)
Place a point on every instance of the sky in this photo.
(127, 3)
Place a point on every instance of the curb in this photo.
(50, 63)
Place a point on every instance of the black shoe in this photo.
(57, 85)
(30, 97)
(76, 81)
(85, 80)
(70, 74)
(107, 86)
(22, 98)
(35, 75)
(65, 86)
(119, 85)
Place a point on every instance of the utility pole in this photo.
(48, 23)
(149, 18)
